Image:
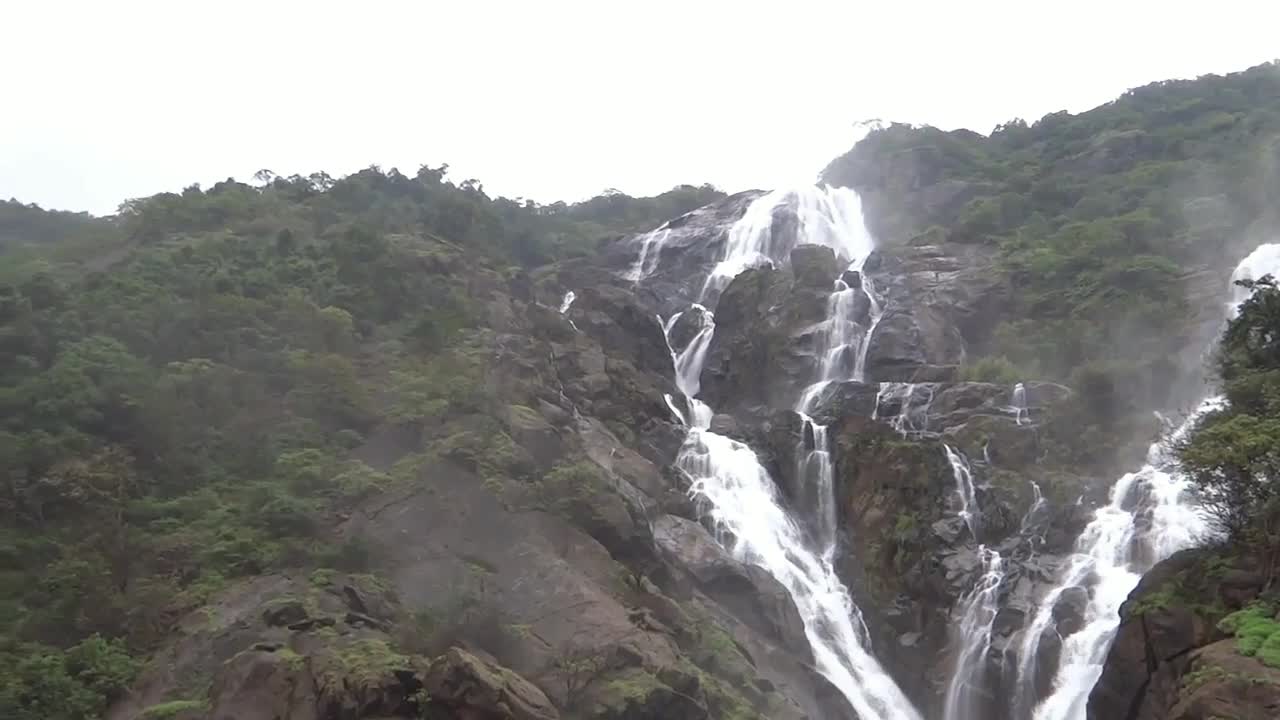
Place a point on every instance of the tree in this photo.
(1233, 454)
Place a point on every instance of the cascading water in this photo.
(749, 517)
(831, 217)
(912, 417)
(1020, 404)
(650, 250)
(567, 303)
(816, 466)
(1029, 520)
(976, 612)
(1111, 554)
(1106, 563)
(964, 488)
(977, 619)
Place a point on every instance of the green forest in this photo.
(181, 384)
(1095, 216)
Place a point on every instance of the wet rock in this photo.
(1007, 444)
(940, 298)
(960, 566)
(623, 328)
(897, 348)
(689, 248)
(752, 359)
(844, 399)
(814, 266)
(548, 323)
(695, 559)
(1068, 612)
(950, 529)
(688, 325)
(1155, 642)
(726, 425)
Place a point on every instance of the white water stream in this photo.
(1111, 553)
(753, 523)
(976, 612)
(750, 518)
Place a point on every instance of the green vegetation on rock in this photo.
(172, 709)
(1100, 228)
(187, 390)
(1257, 631)
(1233, 454)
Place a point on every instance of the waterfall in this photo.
(1020, 404)
(827, 216)
(1111, 554)
(650, 253)
(912, 417)
(749, 517)
(976, 612)
(1038, 503)
(876, 312)
(816, 466)
(964, 488)
(977, 618)
(567, 302)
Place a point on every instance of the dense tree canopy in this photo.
(1233, 455)
(1095, 216)
(181, 386)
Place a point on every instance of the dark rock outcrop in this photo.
(1170, 659)
(768, 334)
(748, 591)
(474, 688)
(814, 266)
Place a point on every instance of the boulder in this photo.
(751, 361)
(897, 348)
(475, 688)
(1157, 640)
(284, 612)
(346, 678)
(814, 266)
(688, 325)
(844, 399)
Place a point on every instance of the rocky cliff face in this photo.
(538, 556)
(1174, 658)
(904, 551)
(541, 556)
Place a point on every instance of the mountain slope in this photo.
(347, 447)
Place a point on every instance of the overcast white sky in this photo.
(554, 99)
